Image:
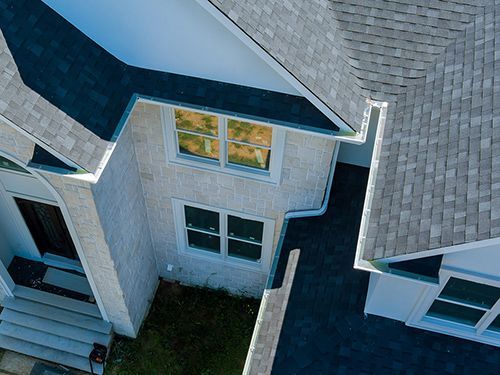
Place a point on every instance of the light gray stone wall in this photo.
(77, 203)
(305, 170)
(121, 207)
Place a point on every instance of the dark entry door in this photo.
(47, 227)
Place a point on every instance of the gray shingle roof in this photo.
(439, 175)
(438, 182)
(347, 51)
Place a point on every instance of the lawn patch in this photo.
(188, 331)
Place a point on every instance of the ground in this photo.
(324, 329)
(188, 331)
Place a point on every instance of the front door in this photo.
(47, 227)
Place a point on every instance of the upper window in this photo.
(226, 144)
(225, 235)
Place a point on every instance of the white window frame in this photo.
(184, 248)
(273, 175)
(479, 332)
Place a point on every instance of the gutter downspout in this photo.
(274, 265)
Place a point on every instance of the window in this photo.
(7, 164)
(221, 143)
(236, 238)
(464, 301)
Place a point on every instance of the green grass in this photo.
(188, 331)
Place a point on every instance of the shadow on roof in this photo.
(72, 72)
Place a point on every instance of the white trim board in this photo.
(443, 250)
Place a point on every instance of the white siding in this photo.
(176, 36)
(485, 261)
(392, 297)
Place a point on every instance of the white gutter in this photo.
(359, 262)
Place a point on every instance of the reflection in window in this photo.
(197, 134)
(10, 165)
(249, 144)
(234, 143)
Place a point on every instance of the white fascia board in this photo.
(443, 250)
(274, 64)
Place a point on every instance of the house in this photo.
(174, 139)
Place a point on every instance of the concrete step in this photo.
(45, 339)
(57, 314)
(57, 301)
(48, 354)
(55, 328)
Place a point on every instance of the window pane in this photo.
(495, 325)
(203, 241)
(248, 156)
(7, 164)
(244, 250)
(245, 229)
(196, 145)
(201, 219)
(455, 313)
(471, 293)
(196, 122)
(251, 133)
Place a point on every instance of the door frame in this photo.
(6, 281)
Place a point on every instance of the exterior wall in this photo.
(122, 212)
(361, 154)
(395, 297)
(305, 169)
(484, 261)
(392, 297)
(175, 36)
(80, 208)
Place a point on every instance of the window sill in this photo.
(229, 262)
(213, 166)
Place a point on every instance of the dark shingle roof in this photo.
(324, 330)
(69, 77)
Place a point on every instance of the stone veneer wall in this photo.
(303, 180)
(79, 202)
(122, 211)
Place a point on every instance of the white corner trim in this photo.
(359, 263)
(274, 64)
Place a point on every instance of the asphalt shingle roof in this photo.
(324, 330)
(71, 94)
(347, 51)
(438, 182)
(436, 64)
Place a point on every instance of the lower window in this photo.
(225, 235)
(473, 305)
